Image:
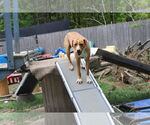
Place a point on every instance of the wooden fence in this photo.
(120, 35)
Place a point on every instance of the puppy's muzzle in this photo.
(79, 52)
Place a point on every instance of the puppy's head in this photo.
(79, 45)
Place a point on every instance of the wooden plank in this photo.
(3, 65)
(112, 29)
(56, 98)
(147, 28)
(102, 42)
(109, 35)
(119, 35)
(124, 62)
(129, 34)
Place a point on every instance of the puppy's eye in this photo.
(81, 45)
(75, 44)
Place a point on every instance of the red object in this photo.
(148, 81)
(46, 55)
(14, 78)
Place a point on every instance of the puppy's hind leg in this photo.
(79, 80)
(82, 66)
(88, 80)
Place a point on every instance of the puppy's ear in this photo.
(85, 41)
(72, 43)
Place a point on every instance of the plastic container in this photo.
(40, 49)
(3, 58)
(91, 44)
(14, 78)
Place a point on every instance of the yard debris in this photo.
(140, 52)
(111, 49)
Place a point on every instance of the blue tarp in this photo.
(139, 104)
(3, 58)
(137, 115)
(40, 49)
(56, 53)
(136, 118)
(145, 110)
(145, 122)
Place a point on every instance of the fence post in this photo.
(8, 34)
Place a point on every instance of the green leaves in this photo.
(78, 20)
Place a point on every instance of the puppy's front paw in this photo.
(71, 66)
(82, 66)
(79, 81)
(88, 80)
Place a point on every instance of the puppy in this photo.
(80, 46)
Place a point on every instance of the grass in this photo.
(114, 94)
(110, 79)
(127, 94)
(106, 86)
(20, 118)
(22, 106)
(20, 114)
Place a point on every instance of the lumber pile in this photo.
(131, 67)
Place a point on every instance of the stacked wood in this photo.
(141, 53)
(131, 67)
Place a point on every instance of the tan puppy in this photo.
(81, 49)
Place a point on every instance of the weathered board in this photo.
(122, 61)
(56, 98)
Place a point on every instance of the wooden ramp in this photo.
(101, 118)
(85, 97)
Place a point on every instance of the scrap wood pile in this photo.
(139, 52)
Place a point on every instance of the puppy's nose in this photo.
(79, 52)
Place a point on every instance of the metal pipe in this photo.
(1, 3)
(110, 118)
(76, 116)
(8, 35)
(16, 26)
